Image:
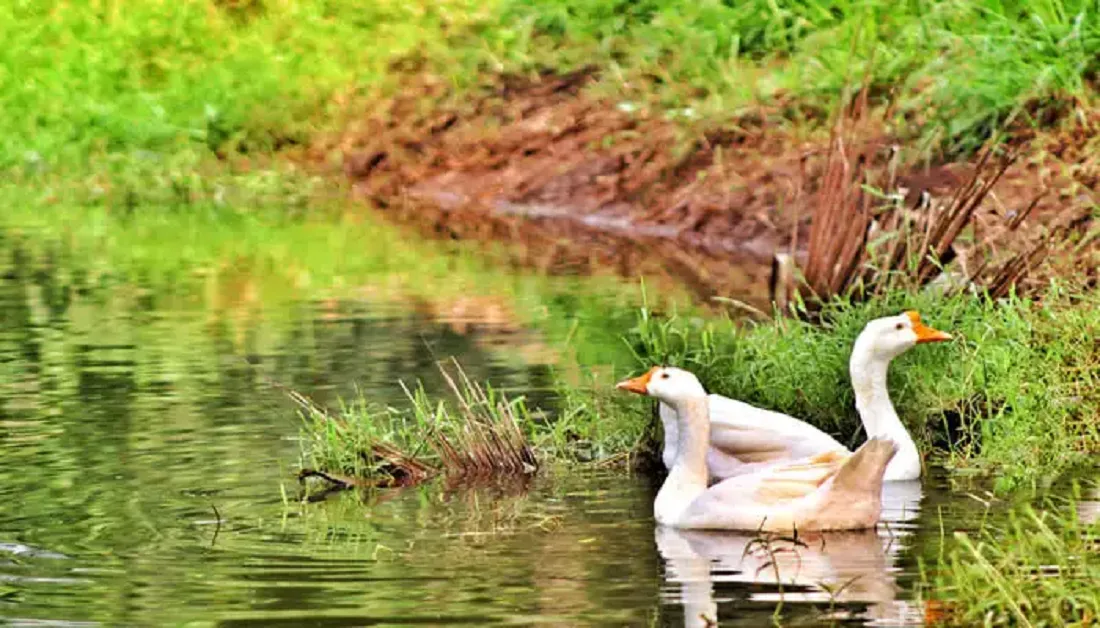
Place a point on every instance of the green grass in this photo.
(84, 79)
(1038, 569)
(99, 83)
(957, 69)
(1017, 384)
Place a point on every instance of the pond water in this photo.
(147, 477)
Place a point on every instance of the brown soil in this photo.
(586, 185)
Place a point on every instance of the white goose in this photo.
(832, 491)
(745, 438)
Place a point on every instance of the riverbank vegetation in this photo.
(956, 70)
(1037, 569)
(1015, 384)
(170, 78)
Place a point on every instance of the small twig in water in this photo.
(217, 524)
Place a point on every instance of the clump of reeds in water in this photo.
(865, 240)
(477, 437)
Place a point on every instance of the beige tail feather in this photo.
(834, 456)
(863, 472)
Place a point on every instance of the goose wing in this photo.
(771, 494)
(753, 434)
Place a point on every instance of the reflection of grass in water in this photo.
(471, 514)
(1039, 569)
(240, 243)
(538, 554)
(277, 229)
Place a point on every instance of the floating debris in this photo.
(27, 551)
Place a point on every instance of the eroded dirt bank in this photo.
(588, 185)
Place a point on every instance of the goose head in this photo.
(666, 383)
(884, 339)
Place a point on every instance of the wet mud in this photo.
(579, 184)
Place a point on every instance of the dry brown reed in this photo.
(485, 439)
(481, 440)
(864, 239)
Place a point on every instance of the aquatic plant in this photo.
(1039, 569)
(480, 437)
(480, 433)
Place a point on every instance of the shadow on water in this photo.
(147, 479)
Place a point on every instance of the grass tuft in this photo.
(1040, 569)
(479, 436)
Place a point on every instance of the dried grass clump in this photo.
(363, 445)
(485, 439)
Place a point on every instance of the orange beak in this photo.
(637, 384)
(924, 332)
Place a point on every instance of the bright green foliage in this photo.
(88, 77)
(958, 69)
(1040, 569)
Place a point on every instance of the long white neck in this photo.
(877, 412)
(687, 477)
(670, 423)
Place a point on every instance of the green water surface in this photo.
(147, 463)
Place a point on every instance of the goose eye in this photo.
(664, 375)
(899, 326)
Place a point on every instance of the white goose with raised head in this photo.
(745, 438)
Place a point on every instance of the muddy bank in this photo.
(587, 185)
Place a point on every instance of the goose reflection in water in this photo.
(819, 569)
